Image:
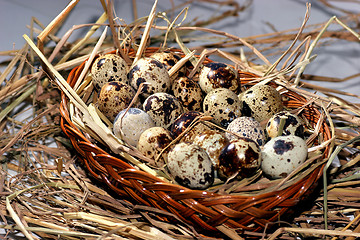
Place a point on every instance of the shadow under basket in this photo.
(205, 210)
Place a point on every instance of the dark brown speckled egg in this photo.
(282, 155)
(189, 93)
(130, 124)
(163, 108)
(223, 105)
(246, 127)
(190, 166)
(240, 158)
(169, 60)
(293, 125)
(152, 141)
(184, 121)
(150, 71)
(108, 68)
(261, 102)
(114, 97)
(218, 75)
(213, 142)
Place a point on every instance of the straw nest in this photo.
(116, 193)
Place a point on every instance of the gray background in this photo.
(340, 59)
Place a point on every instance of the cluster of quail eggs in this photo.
(249, 128)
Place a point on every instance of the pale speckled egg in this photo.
(184, 121)
(218, 75)
(261, 102)
(223, 105)
(163, 108)
(189, 93)
(114, 97)
(108, 68)
(241, 158)
(169, 59)
(190, 166)
(281, 155)
(150, 71)
(213, 142)
(131, 124)
(152, 141)
(293, 125)
(246, 127)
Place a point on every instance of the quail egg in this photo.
(223, 105)
(213, 142)
(108, 68)
(169, 59)
(131, 124)
(189, 93)
(218, 75)
(281, 155)
(150, 71)
(152, 141)
(190, 166)
(184, 121)
(293, 125)
(261, 102)
(240, 159)
(163, 108)
(246, 127)
(114, 97)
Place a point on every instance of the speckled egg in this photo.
(163, 108)
(240, 158)
(169, 59)
(152, 141)
(189, 93)
(218, 75)
(150, 71)
(281, 155)
(190, 166)
(261, 102)
(131, 124)
(108, 68)
(213, 142)
(246, 127)
(184, 121)
(293, 125)
(114, 97)
(223, 105)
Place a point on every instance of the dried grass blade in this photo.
(180, 63)
(312, 46)
(17, 220)
(19, 54)
(331, 159)
(54, 23)
(21, 131)
(183, 48)
(306, 18)
(109, 224)
(15, 103)
(109, 11)
(231, 233)
(171, 26)
(91, 58)
(146, 33)
(59, 79)
(312, 232)
(93, 29)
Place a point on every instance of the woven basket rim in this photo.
(204, 210)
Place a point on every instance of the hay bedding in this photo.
(45, 194)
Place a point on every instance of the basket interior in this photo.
(205, 210)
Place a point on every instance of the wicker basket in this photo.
(202, 209)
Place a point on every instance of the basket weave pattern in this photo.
(202, 209)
